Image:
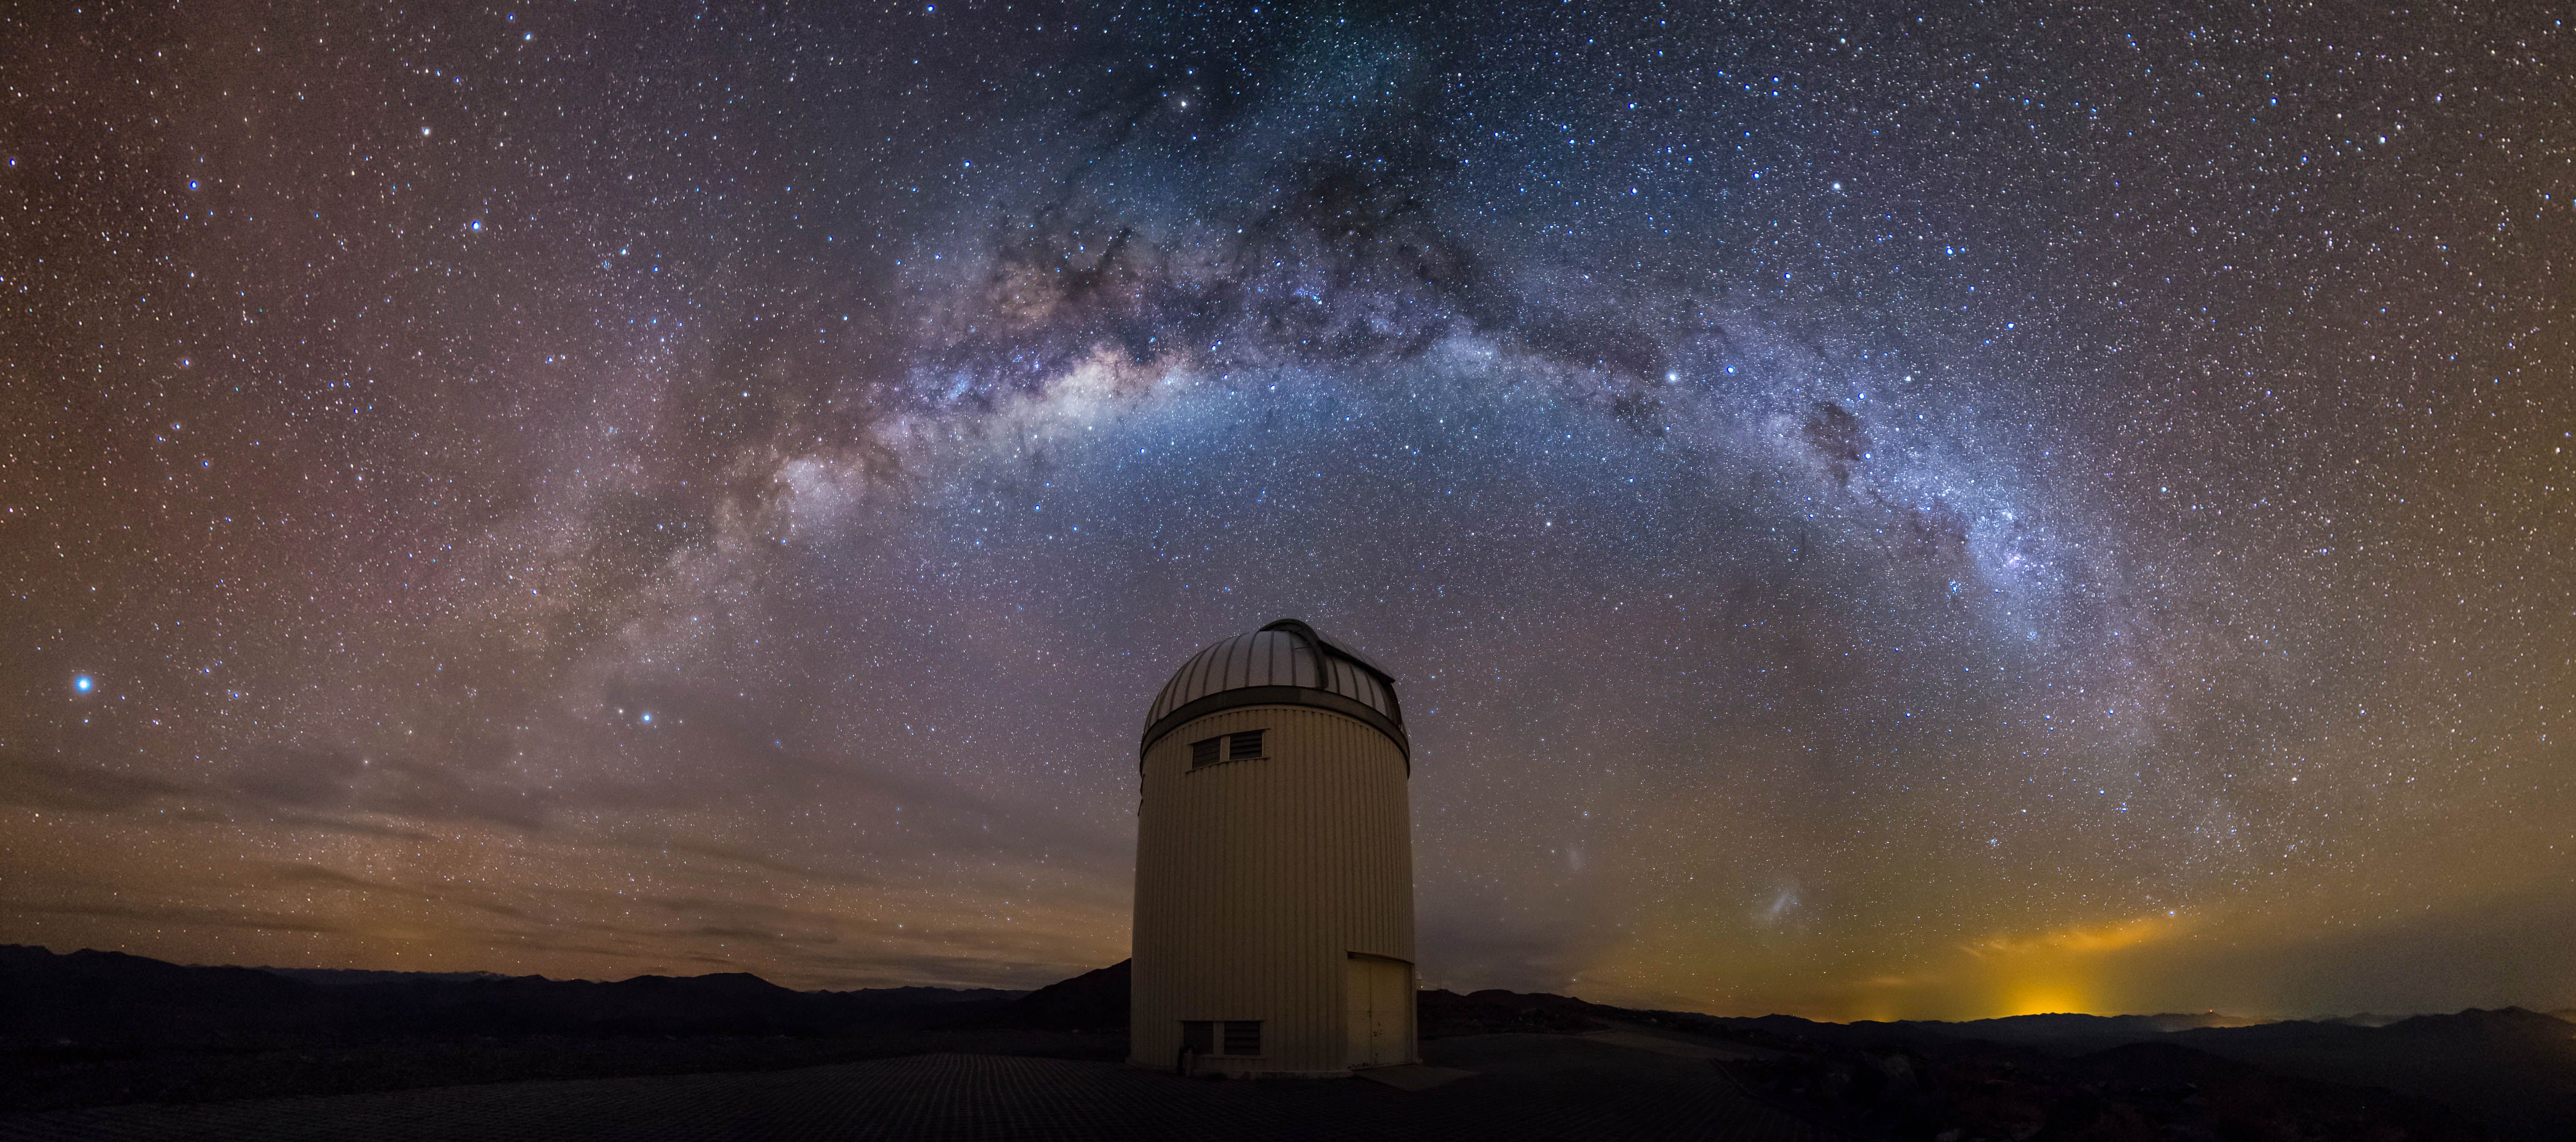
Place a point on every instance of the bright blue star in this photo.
(82, 683)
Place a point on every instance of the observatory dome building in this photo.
(1274, 864)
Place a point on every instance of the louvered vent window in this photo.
(1243, 1037)
(1231, 747)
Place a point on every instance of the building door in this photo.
(1380, 1002)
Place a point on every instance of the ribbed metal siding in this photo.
(1256, 879)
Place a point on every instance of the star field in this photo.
(1935, 512)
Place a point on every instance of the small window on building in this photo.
(1204, 752)
(1246, 744)
(1198, 1036)
(1243, 1037)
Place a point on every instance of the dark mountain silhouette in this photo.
(109, 998)
(2477, 1074)
(2045, 1028)
(328, 977)
(89, 1027)
(1097, 1001)
(1442, 1013)
(2509, 1071)
(100, 1027)
(2511, 1068)
(91, 998)
(1093, 1001)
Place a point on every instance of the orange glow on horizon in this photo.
(2047, 1000)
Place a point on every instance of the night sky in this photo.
(1940, 512)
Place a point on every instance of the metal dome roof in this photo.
(1285, 663)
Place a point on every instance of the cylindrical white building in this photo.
(1274, 864)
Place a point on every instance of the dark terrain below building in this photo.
(103, 1045)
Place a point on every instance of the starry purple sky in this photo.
(1943, 512)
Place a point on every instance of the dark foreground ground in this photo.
(1534, 1086)
(107, 1046)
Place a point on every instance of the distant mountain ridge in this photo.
(89, 1027)
(110, 998)
(332, 977)
(2023, 1028)
(2510, 1069)
(1093, 1001)
(893, 996)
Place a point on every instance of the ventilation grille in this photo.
(1243, 1037)
(1233, 747)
